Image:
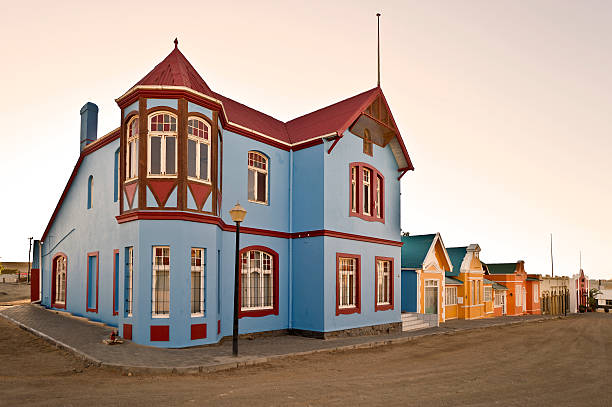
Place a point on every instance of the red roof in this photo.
(175, 70)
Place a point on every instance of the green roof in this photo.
(501, 268)
(452, 281)
(414, 250)
(498, 286)
(485, 281)
(456, 254)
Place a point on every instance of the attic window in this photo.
(367, 142)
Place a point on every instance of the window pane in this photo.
(191, 158)
(251, 185)
(170, 155)
(261, 186)
(155, 155)
(203, 161)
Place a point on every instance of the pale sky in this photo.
(505, 106)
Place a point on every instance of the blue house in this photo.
(141, 238)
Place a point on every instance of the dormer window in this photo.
(162, 157)
(258, 177)
(367, 142)
(131, 155)
(198, 150)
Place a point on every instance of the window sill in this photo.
(165, 316)
(129, 180)
(258, 202)
(383, 307)
(348, 310)
(161, 176)
(259, 312)
(197, 315)
(201, 181)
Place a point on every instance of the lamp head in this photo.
(238, 213)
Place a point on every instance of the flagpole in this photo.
(378, 18)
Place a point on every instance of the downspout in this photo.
(290, 299)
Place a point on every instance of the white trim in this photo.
(163, 135)
(257, 170)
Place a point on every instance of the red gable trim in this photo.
(201, 218)
(101, 142)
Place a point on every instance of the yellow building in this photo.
(468, 294)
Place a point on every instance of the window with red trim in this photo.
(258, 281)
(367, 192)
(348, 287)
(384, 283)
(58, 293)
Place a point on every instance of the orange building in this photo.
(471, 297)
(523, 295)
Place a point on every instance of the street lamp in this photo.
(237, 213)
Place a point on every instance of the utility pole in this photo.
(29, 262)
(552, 267)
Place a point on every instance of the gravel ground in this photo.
(562, 362)
(10, 292)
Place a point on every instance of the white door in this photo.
(431, 296)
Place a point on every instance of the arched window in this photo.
(131, 151)
(162, 157)
(198, 149)
(258, 177)
(90, 192)
(59, 281)
(258, 281)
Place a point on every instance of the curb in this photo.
(200, 369)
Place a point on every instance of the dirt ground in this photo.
(565, 362)
(10, 292)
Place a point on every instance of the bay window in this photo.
(162, 157)
(131, 150)
(198, 149)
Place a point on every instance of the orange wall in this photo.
(531, 306)
(512, 281)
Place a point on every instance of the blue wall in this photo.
(409, 291)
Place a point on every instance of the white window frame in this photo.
(164, 135)
(345, 288)
(488, 294)
(60, 280)
(378, 197)
(198, 142)
(131, 160)
(536, 294)
(246, 274)
(451, 295)
(381, 273)
(131, 281)
(155, 269)
(519, 295)
(195, 269)
(497, 299)
(256, 178)
(367, 198)
(354, 191)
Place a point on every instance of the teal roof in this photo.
(501, 268)
(452, 281)
(414, 250)
(456, 254)
(498, 286)
(485, 281)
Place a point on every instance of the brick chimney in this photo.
(89, 124)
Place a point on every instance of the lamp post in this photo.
(237, 213)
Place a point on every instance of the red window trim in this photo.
(97, 254)
(357, 308)
(53, 287)
(115, 270)
(373, 179)
(260, 312)
(383, 307)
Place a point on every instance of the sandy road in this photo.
(559, 362)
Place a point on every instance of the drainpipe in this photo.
(290, 300)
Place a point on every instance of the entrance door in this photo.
(431, 296)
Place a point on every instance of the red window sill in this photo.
(257, 313)
(60, 306)
(384, 307)
(346, 311)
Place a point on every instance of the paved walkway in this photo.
(85, 339)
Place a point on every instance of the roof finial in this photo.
(176, 43)
(378, 18)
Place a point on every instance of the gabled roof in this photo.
(415, 249)
(456, 254)
(501, 268)
(175, 72)
(452, 281)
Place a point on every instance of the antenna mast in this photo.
(378, 18)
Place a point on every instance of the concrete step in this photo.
(415, 327)
(413, 322)
(409, 317)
